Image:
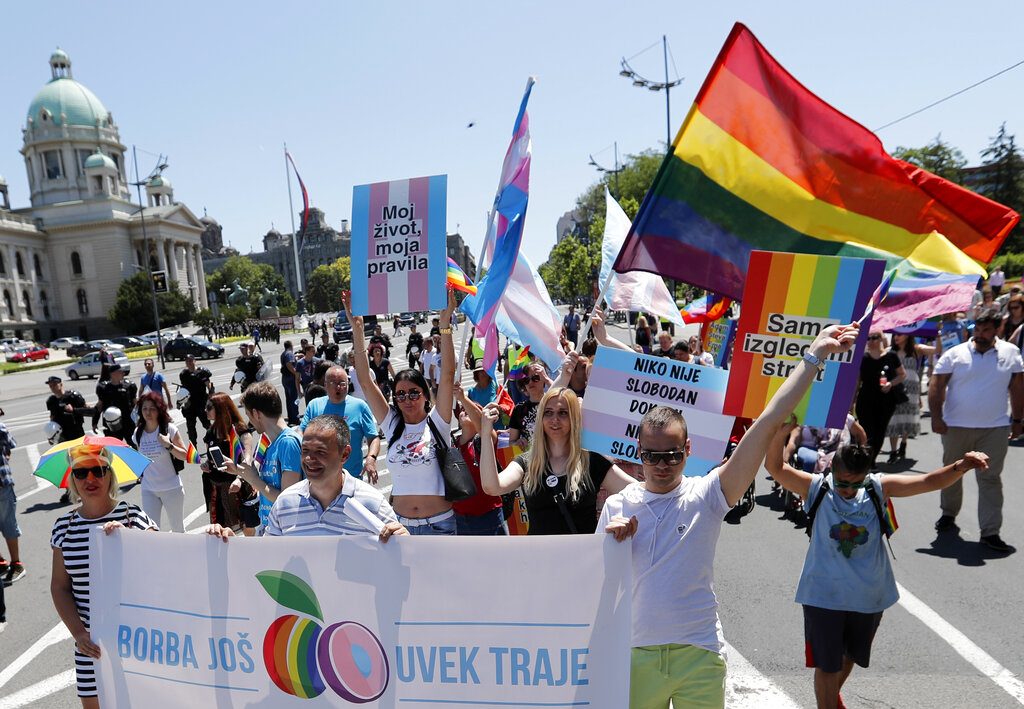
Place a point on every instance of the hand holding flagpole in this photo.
(879, 295)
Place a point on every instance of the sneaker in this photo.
(946, 523)
(994, 543)
(15, 572)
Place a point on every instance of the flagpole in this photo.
(600, 296)
(295, 236)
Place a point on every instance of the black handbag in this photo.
(898, 394)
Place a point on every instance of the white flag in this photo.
(527, 316)
(637, 291)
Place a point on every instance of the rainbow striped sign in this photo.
(787, 300)
(623, 386)
(399, 246)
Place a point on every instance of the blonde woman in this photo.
(643, 335)
(559, 478)
(92, 482)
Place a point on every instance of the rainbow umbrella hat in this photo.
(55, 464)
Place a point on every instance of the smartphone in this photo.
(217, 457)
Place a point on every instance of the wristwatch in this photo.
(815, 361)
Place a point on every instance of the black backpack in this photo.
(875, 502)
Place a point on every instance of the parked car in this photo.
(28, 354)
(82, 349)
(343, 330)
(111, 345)
(9, 344)
(63, 343)
(196, 346)
(152, 339)
(90, 366)
(128, 341)
(406, 319)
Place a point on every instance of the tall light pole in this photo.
(639, 81)
(161, 166)
(616, 171)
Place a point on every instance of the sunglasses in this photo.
(672, 457)
(98, 472)
(411, 395)
(534, 378)
(843, 485)
(874, 337)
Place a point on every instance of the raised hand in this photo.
(489, 416)
(835, 339)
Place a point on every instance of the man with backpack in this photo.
(847, 581)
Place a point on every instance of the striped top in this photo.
(296, 513)
(71, 536)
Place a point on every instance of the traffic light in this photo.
(160, 281)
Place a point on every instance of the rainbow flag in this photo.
(705, 309)
(260, 454)
(518, 368)
(889, 523)
(191, 455)
(761, 163)
(235, 446)
(458, 279)
(879, 295)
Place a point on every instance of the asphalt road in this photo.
(953, 641)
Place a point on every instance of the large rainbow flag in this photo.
(761, 163)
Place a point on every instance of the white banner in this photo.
(187, 620)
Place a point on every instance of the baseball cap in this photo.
(53, 380)
(114, 367)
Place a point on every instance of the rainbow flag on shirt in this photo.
(518, 368)
(458, 279)
(191, 455)
(260, 454)
(235, 446)
(761, 163)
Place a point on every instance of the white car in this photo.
(62, 343)
(90, 366)
(110, 345)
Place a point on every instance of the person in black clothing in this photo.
(68, 409)
(290, 382)
(435, 328)
(249, 364)
(413, 346)
(198, 381)
(880, 371)
(327, 350)
(561, 479)
(118, 393)
(106, 360)
(379, 338)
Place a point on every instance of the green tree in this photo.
(133, 306)
(1004, 180)
(325, 284)
(254, 277)
(938, 157)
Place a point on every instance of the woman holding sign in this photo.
(559, 477)
(413, 428)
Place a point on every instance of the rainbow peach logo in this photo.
(303, 658)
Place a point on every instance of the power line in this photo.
(652, 46)
(952, 95)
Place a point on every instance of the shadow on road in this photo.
(950, 545)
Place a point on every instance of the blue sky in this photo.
(376, 91)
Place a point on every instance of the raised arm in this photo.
(907, 485)
(738, 472)
(444, 388)
(367, 382)
(796, 481)
(601, 333)
(566, 370)
(493, 482)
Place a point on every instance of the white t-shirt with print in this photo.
(412, 459)
(160, 475)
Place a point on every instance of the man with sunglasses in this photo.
(198, 382)
(674, 522)
(357, 414)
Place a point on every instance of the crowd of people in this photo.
(268, 470)
(268, 330)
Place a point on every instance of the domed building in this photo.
(63, 258)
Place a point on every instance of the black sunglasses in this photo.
(534, 378)
(412, 395)
(843, 485)
(874, 337)
(672, 457)
(98, 472)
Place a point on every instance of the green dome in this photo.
(100, 160)
(68, 97)
(159, 181)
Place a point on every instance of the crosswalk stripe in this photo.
(56, 634)
(39, 690)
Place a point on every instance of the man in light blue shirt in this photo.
(357, 414)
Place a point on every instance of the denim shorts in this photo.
(489, 524)
(8, 518)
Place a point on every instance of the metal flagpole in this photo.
(600, 296)
(291, 214)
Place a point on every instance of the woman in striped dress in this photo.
(93, 483)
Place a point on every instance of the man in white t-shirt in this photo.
(675, 522)
(967, 396)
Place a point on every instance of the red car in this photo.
(28, 354)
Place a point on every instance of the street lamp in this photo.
(600, 168)
(639, 81)
(145, 240)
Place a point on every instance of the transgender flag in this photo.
(506, 230)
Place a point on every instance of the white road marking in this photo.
(39, 690)
(32, 452)
(982, 661)
(194, 515)
(55, 635)
(40, 486)
(746, 687)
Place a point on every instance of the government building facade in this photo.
(63, 258)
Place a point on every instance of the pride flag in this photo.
(458, 279)
(705, 309)
(889, 523)
(505, 231)
(762, 163)
(260, 454)
(235, 446)
(191, 455)
(518, 368)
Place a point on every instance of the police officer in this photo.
(67, 409)
(248, 364)
(198, 382)
(327, 350)
(379, 338)
(118, 393)
(414, 346)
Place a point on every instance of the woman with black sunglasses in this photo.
(524, 416)
(880, 372)
(561, 480)
(230, 501)
(93, 484)
(412, 428)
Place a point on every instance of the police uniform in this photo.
(123, 396)
(250, 365)
(197, 384)
(72, 423)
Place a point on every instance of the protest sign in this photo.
(399, 246)
(718, 340)
(187, 621)
(788, 300)
(623, 386)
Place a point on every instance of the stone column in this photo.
(12, 260)
(190, 269)
(200, 277)
(161, 255)
(37, 304)
(173, 275)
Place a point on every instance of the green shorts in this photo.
(691, 677)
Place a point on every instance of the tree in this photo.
(254, 277)
(938, 157)
(133, 307)
(1003, 180)
(325, 284)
